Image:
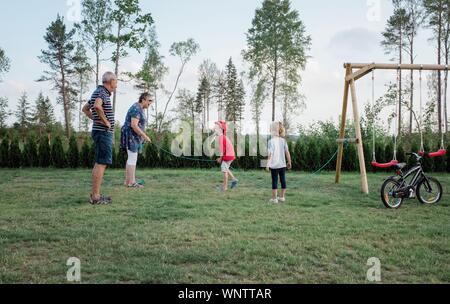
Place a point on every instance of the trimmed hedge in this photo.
(309, 153)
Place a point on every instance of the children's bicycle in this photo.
(409, 185)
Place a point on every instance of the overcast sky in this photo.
(341, 31)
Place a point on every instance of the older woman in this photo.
(133, 136)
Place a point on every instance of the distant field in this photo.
(179, 229)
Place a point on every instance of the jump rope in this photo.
(322, 168)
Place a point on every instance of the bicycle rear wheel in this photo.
(429, 191)
(387, 189)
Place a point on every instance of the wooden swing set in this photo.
(354, 72)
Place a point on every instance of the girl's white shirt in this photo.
(277, 148)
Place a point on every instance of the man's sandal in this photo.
(103, 200)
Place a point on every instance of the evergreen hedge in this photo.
(309, 152)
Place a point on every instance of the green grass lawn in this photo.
(179, 229)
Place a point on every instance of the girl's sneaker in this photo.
(282, 199)
(273, 201)
(234, 183)
(220, 188)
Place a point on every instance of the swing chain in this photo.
(443, 121)
(422, 146)
(374, 157)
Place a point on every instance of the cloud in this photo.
(16, 87)
(356, 42)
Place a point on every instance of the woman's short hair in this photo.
(144, 96)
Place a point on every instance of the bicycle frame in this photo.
(417, 174)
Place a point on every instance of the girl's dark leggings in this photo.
(275, 174)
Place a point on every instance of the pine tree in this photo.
(4, 152)
(129, 28)
(149, 78)
(15, 154)
(73, 155)
(59, 58)
(295, 155)
(203, 99)
(166, 159)
(92, 153)
(448, 159)
(85, 160)
(437, 12)
(4, 112)
(446, 53)
(151, 156)
(234, 94)
(394, 43)
(350, 159)
(23, 113)
(5, 63)
(188, 107)
(83, 73)
(208, 74)
(277, 43)
(120, 159)
(43, 116)
(30, 153)
(44, 152)
(95, 28)
(257, 104)
(219, 93)
(57, 153)
(415, 12)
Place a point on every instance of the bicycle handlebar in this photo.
(417, 156)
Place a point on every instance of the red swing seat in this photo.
(440, 153)
(385, 165)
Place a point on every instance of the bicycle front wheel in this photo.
(387, 194)
(429, 191)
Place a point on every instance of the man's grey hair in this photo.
(108, 77)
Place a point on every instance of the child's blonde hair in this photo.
(277, 129)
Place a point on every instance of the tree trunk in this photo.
(156, 108)
(116, 70)
(411, 103)
(97, 68)
(171, 96)
(400, 83)
(274, 89)
(439, 93)
(204, 114)
(207, 108)
(446, 89)
(65, 97)
(81, 102)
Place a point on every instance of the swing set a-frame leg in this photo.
(359, 145)
(350, 85)
(342, 130)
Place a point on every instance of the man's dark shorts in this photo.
(103, 142)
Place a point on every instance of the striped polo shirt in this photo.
(102, 93)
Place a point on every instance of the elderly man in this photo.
(100, 110)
